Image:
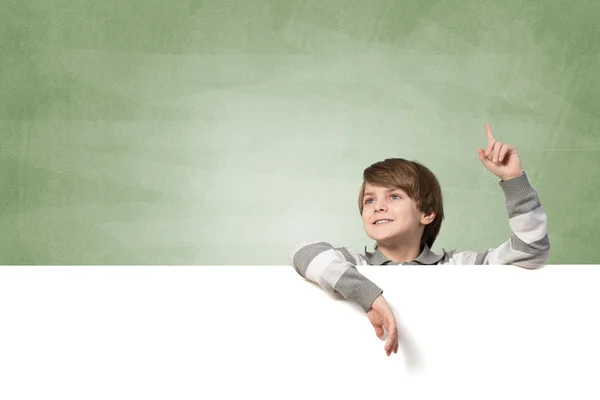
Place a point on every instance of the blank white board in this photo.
(223, 332)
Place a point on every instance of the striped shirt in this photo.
(334, 269)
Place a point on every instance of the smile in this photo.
(383, 221)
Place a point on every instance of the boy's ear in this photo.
(426, 219)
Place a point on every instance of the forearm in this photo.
(528, 246)
(528, 222)
(332, 270)
(355, 287)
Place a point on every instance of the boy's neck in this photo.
(400, 253)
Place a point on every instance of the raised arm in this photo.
(529, 246)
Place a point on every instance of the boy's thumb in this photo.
(378, 330)
(483, 158)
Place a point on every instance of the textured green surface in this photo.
(223, 132)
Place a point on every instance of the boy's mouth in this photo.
(382, 221)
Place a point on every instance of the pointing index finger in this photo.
(488, 133)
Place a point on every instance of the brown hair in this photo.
(419, 183)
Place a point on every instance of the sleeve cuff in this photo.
(362, 293)
(366, 294)
(516, 187)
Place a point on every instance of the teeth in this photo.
(383, 221)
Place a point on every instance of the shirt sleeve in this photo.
(529, 246)
(334, 269)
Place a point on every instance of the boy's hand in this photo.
(381, 316)
(499, 158)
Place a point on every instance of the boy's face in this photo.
(402, 221)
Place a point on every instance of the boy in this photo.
(401, 206)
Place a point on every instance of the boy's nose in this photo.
(381, 206)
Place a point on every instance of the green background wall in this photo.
(224, 132)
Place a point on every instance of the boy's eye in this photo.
(367, 201)
(397, 196)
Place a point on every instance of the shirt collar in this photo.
(427, 257)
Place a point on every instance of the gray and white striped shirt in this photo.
(334, 269)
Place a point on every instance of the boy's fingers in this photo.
(482, 155)
(496, 153)
(503, 152)
(488, 133)
(490, 139)
(489, 148)
(389, 345)
(484, 160)
(392, 329)
(392, 347)
(393, 335)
